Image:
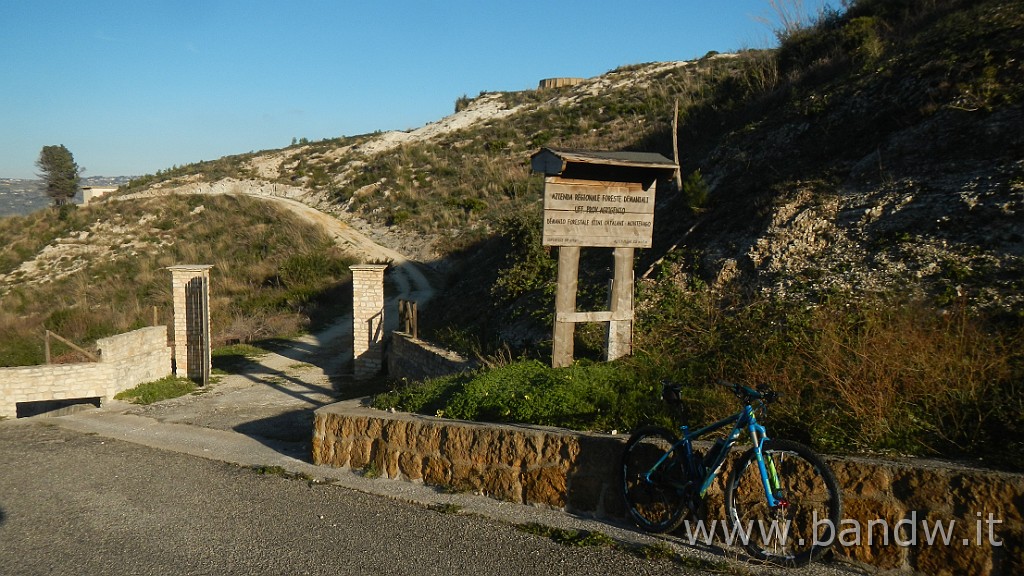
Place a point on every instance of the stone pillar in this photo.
(190, 286)
(367, 320)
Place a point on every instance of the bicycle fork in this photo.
(766, 467)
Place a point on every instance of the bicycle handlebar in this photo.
(764, 393)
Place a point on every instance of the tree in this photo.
(60, 173)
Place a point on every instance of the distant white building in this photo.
(90, 192)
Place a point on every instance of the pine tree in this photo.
(60, 173)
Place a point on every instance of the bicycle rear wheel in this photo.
(657, 502)
(802, 527)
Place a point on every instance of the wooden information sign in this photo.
(586, 213)
(597, 199)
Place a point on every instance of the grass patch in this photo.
(270, 471)
(235, 358)
(655, 551)
(568, 537)
(718, 566)
(248, 351)
(590, 396)
(283, 473)
(157, 390)
(445, 508)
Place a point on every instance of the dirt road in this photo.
(412, 280)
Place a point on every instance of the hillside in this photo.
(879, 151)
(849, 224)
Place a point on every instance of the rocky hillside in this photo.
(889, 156)
(879, 151)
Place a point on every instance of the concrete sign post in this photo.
(597, 199)
(190, 286)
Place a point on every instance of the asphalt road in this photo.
(74, 503)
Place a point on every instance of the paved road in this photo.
(75, 503)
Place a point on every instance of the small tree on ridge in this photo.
(60, 173)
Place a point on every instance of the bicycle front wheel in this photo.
(655, 497)
(803, 525)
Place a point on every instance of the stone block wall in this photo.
(415, 359)
(126, 360)
(578, 473)
(135, 357)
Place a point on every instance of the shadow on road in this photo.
(290, 433)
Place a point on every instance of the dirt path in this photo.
(272, 397)
(411, 278)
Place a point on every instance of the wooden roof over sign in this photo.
(555, 161)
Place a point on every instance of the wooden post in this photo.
(408, 317)
(565, 303)
(70, 344)
(675, 147)
(620, 328)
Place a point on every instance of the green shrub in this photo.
(583, 396)
(695, 190)
(19, 349)
(163, 389)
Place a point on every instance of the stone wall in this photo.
(415, 359)
(126, 360)
(578, 472)
(136, 357)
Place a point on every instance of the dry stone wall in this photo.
(126, 360)
(895, 507)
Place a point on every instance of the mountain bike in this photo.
(779, 494)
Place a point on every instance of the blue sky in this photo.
(135, 86)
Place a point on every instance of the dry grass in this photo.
(271, 271)
(881, 373)
(906, 370)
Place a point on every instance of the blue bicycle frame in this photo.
(745, 419)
